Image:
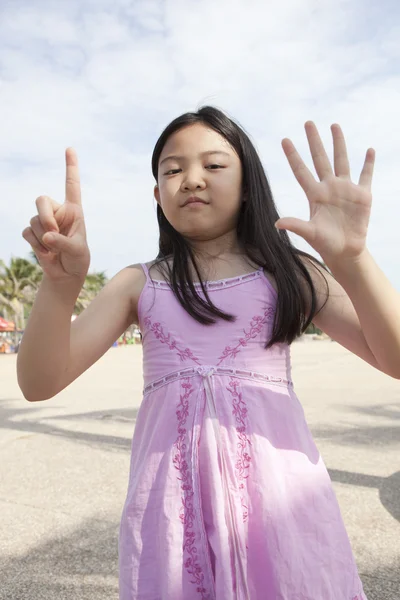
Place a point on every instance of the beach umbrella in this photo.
(6, 325)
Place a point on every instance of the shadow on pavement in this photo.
(16, 420)
(84, 566)
(389, 487)
(381, 435)
(364, 435)
(80, 566)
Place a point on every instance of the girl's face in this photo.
(198, 161)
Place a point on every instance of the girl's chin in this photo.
(198, 234)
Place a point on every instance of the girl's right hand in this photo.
(57, 234)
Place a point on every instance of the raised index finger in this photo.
(72, 181)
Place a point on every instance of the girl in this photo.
(228, 496)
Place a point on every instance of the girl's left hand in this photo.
(339, 209)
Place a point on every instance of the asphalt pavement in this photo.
(64, 467)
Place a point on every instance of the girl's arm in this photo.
(362, 312)
(54, 352)
(44, 350)
(377, 304)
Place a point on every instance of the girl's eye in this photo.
(173, 171)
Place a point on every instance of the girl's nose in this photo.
(193, 180)
(193, 183)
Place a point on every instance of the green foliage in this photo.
(20, 281)
(313, 329)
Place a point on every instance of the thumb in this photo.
(297, 226)
(61, 243)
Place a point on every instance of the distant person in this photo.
(228, 495)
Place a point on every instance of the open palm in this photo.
(339, 209)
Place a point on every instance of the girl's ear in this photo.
(157, 194)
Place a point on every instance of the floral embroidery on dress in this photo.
(187, 513)
(256, 325)
(243, 459)
(157, 329)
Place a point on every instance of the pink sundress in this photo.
(228, 496)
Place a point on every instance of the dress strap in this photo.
(269, 284)
(146, 271)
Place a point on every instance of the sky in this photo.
(107, 77)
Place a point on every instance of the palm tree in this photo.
(18, 283)
(94, 282)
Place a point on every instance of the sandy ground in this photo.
(64, 470)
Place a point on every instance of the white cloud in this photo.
(107, 78)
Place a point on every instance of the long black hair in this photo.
(262, 242)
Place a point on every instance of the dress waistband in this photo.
(211, 370)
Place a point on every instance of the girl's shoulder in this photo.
(135, 278)
(129, 284)
(154, 269)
